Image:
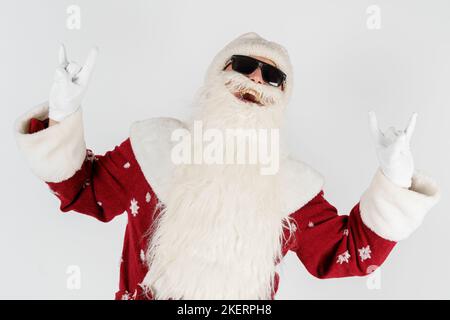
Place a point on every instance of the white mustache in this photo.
(265, 94)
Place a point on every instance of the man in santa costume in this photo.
(218, 230)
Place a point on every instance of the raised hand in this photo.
(393, 151)
(70, 84)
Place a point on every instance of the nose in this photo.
(256, 76)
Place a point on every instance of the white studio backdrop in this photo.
(153, 56)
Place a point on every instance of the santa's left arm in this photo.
(332, 245)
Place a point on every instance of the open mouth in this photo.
(249, 96)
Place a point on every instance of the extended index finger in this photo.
(373, 123)
(62, 56)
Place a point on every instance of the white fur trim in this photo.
(394, 212)
(252, 44)
(56, 153)
(299, 183)
(151, 143)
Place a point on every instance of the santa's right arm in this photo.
(57, 154)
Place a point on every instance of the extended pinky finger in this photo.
(411, 126)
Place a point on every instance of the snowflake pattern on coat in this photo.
(364, 253)
(134, 207)
(344, 257)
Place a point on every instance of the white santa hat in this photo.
(251, 44)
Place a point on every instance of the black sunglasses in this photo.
(246, 65)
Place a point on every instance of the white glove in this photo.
(393, 151)
(70, 85)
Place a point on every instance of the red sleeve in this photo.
(100, 187)
(37, 125)
(332, 245)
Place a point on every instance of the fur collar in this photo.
(151, 144)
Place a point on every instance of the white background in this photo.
(153, 56)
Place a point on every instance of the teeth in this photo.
(252, 92)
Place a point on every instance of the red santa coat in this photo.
(103, 186)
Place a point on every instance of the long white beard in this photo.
(220, 234)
